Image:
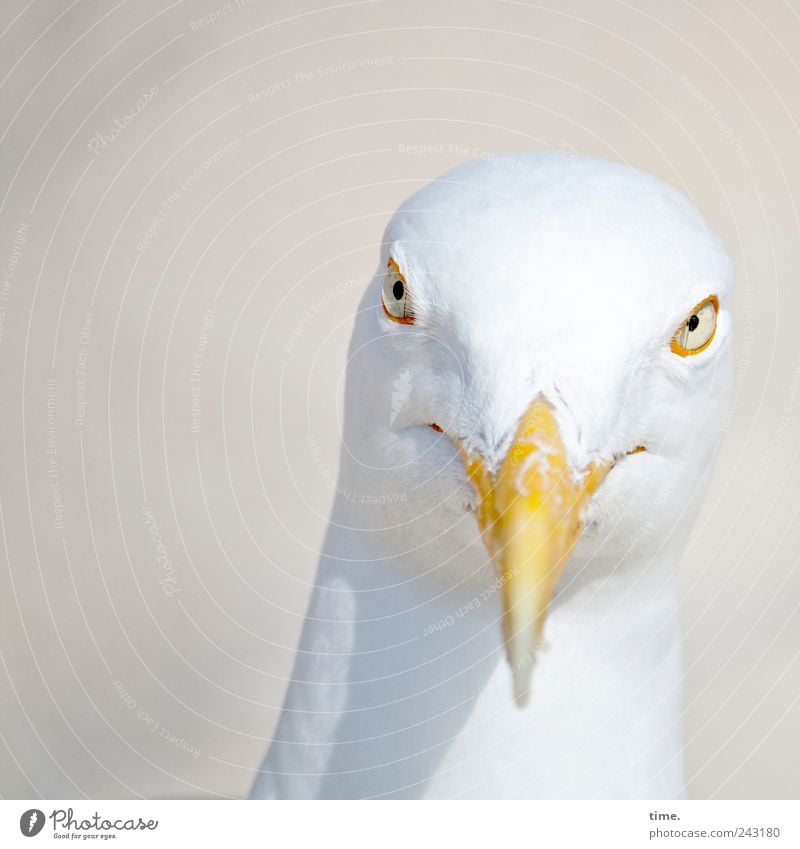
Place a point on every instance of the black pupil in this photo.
(397, 290)
(693, 322)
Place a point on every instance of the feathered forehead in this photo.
(550, 229)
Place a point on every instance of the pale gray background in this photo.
(277, 235)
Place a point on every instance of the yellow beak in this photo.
(530, 516)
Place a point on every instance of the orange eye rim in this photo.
(677, 348)
(409, 318)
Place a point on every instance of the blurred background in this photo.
(191, 201)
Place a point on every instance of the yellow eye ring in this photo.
(697, 331)
(395, 300)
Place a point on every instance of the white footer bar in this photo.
(405, 825)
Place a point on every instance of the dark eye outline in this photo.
(408, 312)
(676, 346)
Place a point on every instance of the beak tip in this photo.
(522, 674)
(522, 693)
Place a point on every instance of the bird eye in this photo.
(395, 300)
(696, 333)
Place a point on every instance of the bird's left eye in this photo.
(394, 298)
(697, 331)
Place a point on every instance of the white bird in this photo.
(535, 390)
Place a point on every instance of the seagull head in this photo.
(537, 381)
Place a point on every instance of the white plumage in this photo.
(530, 276)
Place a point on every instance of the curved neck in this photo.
(415, 687)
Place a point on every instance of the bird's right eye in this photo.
(394, 298)
(697, 331)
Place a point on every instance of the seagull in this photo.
(536, 386)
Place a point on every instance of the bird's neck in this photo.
(428, 685)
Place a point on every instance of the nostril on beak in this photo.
(435, 427)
